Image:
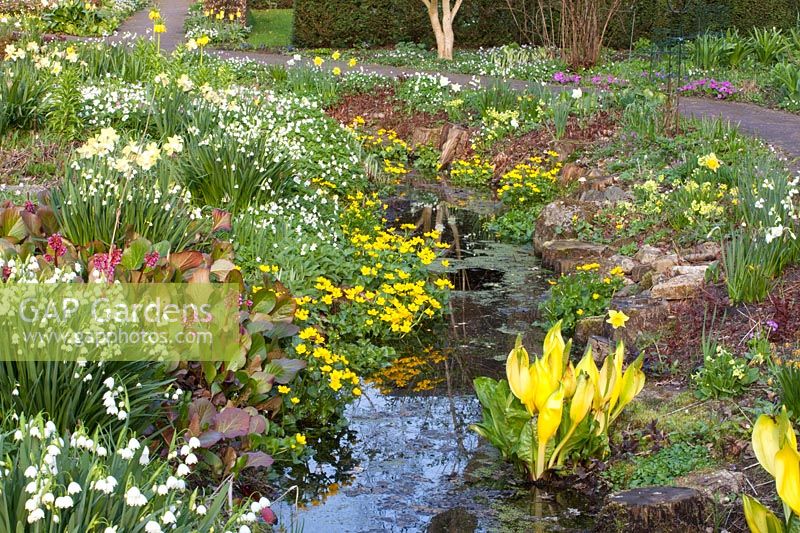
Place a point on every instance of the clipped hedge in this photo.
(654, 20)
(343, 23)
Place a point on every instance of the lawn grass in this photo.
(271, 27)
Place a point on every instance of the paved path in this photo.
(777, 128)
(173, 12)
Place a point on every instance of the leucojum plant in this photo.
(548, 410)
(775, 445)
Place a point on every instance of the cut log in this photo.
(662, 509)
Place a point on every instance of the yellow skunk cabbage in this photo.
(775, 445)
(569, 408)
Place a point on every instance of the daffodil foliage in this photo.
(775, 446)
(549, 410)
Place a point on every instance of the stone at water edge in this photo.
(654, 509)
(564, 255)
(647, 254)
(682, 287)
(586, 328)
(456, 520)
(556, 221)
(644, 314)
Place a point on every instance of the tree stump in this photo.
(661, 509)
(454, 140)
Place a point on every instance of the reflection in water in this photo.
(413, 455)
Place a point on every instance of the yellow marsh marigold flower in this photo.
(617, 319)
(295, 400)
(283, 389)
(300, 438)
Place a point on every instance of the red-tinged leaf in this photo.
(290, 369)
(186, 260)
(232, 422)
(200, 275)
(209, 438)
(194, 425)
(204, 410)
(258, 460)
(258, 425)
(229, 459)
(48, 219)
(222, 220)
(33, 223)
(12, 226)
(221, 268)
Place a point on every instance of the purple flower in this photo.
(772, 325)
(55, 243)
(151, 259)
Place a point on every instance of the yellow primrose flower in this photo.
(617, 319)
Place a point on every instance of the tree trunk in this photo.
(443, 28)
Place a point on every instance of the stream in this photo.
(409, 453)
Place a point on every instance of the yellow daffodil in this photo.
(617, 319)
(336, 55)
(709, 161)
(352, 63)
(336, 71)
(318, 61)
